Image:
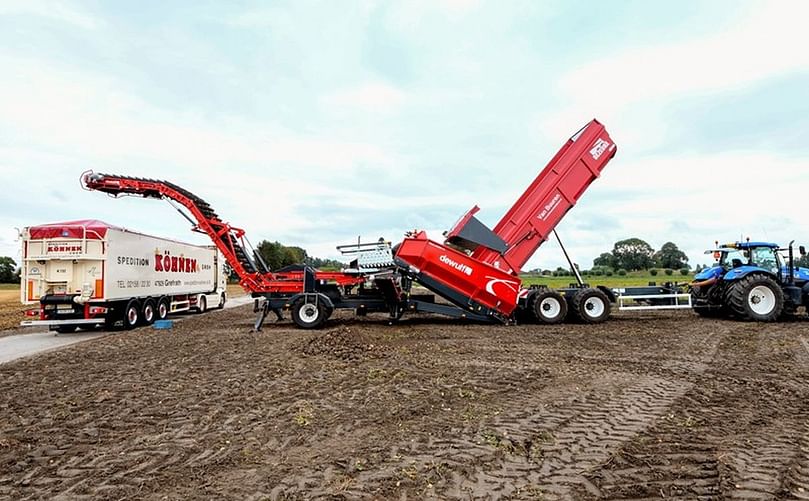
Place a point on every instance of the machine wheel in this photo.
(590, 306)
(163, 309)
(548, 307)
(756, 298)
(131, 314)
(222, 300)
(309, 315)
(202, 304)
(66, 329)
(149, 312)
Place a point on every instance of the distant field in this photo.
(631, 279)
(9, 287)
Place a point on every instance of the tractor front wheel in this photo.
(756, 298)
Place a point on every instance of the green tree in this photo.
(272, 253)
(670, 256)
(605, 260)
(8, 270)
(633, 254)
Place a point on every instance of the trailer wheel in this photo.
(548, 307)
(163, 308)
(131, 314)
(149, 312)
(756, 298)
(590, 306)
(309, 315)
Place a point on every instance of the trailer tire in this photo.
(132, 314)
(755, 298)
(309, 315)
(163, 308)
(548, 307)
(590, 306)
(149, 312)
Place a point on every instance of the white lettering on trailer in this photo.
(453, 264)
(599, 148)
(548, 209)
(494, 280)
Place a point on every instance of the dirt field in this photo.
(11, 311)
(643, 407)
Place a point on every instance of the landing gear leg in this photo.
(263, 310)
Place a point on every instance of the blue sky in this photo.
(314, 122)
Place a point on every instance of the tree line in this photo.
(277, 255)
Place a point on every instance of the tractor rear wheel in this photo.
(309, 315)
(756, 298)
(548, 307)
(590, 306)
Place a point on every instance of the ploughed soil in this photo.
(654, 406)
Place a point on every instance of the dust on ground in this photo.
(661, 405)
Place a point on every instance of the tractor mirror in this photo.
(802, 250)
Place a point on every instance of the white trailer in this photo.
(89, 273)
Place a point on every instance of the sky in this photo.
(315, 123)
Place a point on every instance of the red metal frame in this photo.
(216, 229)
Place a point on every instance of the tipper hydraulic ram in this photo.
(476, 269)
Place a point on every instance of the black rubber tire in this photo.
(132, 314)
(66, 329)
(739, 299)
(222, 300)
(543, 302)
(584, 306)
(309, 315)
(202, 304)
(148, 313)
(163, 309)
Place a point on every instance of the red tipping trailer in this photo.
(485, 277)
(476, 269)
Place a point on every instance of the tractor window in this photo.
(765, 258)
(734, 258)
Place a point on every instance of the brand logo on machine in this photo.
(550, 207)
(453, 264)
(63, 248)
(494, 280)
(174, 264)
(599, 148)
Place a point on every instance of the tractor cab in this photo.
(762, 255)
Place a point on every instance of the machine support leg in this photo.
(572, 266)
(264, 309)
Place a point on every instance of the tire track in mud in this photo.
(797, 481)
(734, 435)
(544, 448)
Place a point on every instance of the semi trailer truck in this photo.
(89, 273)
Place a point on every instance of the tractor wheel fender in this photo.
(744, 271)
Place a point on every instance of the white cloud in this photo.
(53, 10)
(369, 96)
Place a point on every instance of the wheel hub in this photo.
(309, 313)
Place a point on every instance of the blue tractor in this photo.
(751, 281)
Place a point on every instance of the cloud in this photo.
(52, 10)
(370, 96)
